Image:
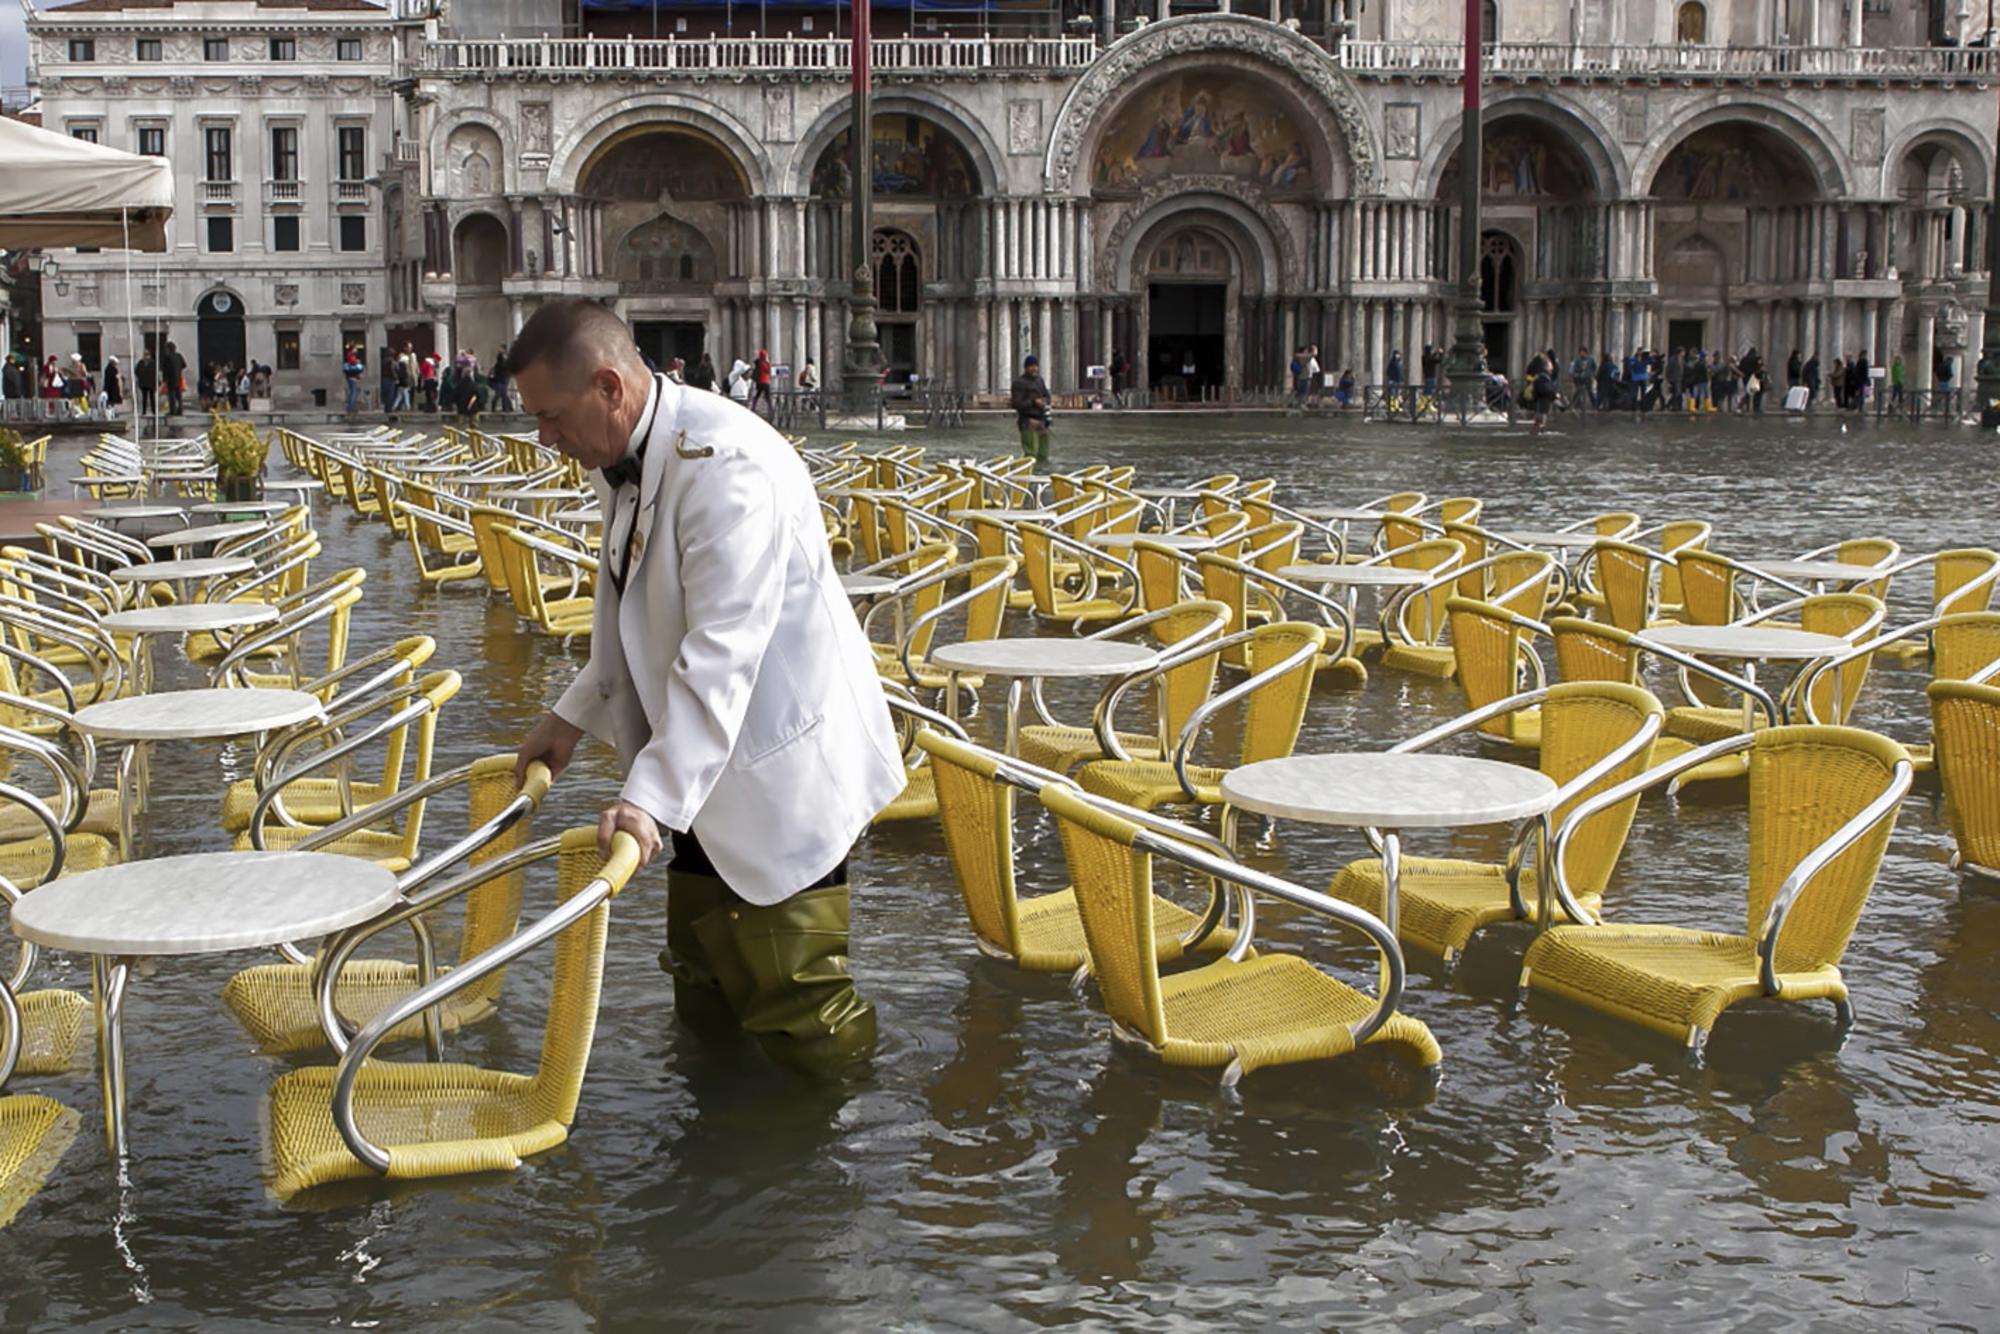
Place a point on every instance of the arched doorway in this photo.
(669, 196)
(1541, 253)
(1738, 203)
(480, 322)
(899, 299)
(924, 186)
(1188, 275)
(219, 337)
(1691, 23)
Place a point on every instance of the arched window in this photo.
(899, 283)
(1489, 19)
(1499, 275)
(1691, 23)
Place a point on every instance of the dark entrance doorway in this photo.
(1686, 333)
(218, 332)
(663, 340)
(1498, 353)
(1186, 339)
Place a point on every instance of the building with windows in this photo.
(279, 117)
(1200, 186)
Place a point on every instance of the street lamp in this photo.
(1466, 365)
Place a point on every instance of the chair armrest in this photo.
(25, 962)
(1190, 730)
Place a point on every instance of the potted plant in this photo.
(239, 458)
(14, 470)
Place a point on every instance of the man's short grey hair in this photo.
(573, 337)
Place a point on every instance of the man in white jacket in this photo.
(731, 675)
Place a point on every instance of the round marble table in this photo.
(302, 486)
(1005, 515)
(1750, 645)
(1025, 660)
(145, 624)
(1818, 573)
(1345, 515)
(207, 714)
(1528, 537)
(1175, 541)
(241, 506)
(1167, 492)
(178, 572)
(1357, 576)
(1388, 793)
(183, 538)
(525, 495)
(135, 513)
(208, 903)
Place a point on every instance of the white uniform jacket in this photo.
(732, 675)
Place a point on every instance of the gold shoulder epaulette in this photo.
(681, 448)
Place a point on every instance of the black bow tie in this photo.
(625, 471)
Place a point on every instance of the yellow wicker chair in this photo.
(919, 798)
(1519, 582)
(1283, 657)
(1051, 600)
(1965, 720)
(48, 1032)
(403, 1121)
(276, 1002)
(1624, 592)
(1962, 580)
(1595, 734)
(1167, 575)
(1849, 616)
(1042, 933)
(280, 645)
(395, 718)
(34, 1131)
(979, 589)
(357, 685)
(562, 610)
(1822, 803)
(1496, 660)
(1710, 587)
(1180, 689)
(992, 538)
(444, 546)
(1239, 1013)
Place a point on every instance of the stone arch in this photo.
(471, 118)
(1599, 150)
(1133, 60)
(580, 145)
(979, 146)
(479, 251)
(1972, 156)
(1811, 139)
(474, 162)
(1266, 238)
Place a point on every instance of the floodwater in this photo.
(1002, 1167)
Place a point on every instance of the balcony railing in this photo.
(218, 192)
(284, 192)
(807, 55)
(408, 150)
(350, 192)
(1559, 60)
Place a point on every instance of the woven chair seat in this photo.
(1672, 980)
(34, 1132)
(25, 861)
(1443, 902)
(1088, 611)
(1274, 1010)
(1703, 723)
(316, 801)
(376, 845)
(889, 664)
(1052, 940)
(1150, 783)
(53, 1024)
(100, 818)
(918, 800)
(1436, 660)
(274, 1001)
(438, 1120)
(1061, 749)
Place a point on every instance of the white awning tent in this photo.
(56, 191)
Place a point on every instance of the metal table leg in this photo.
(108, 976)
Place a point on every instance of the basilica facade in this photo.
(1199, 189)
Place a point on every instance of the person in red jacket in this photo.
(762, 374)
